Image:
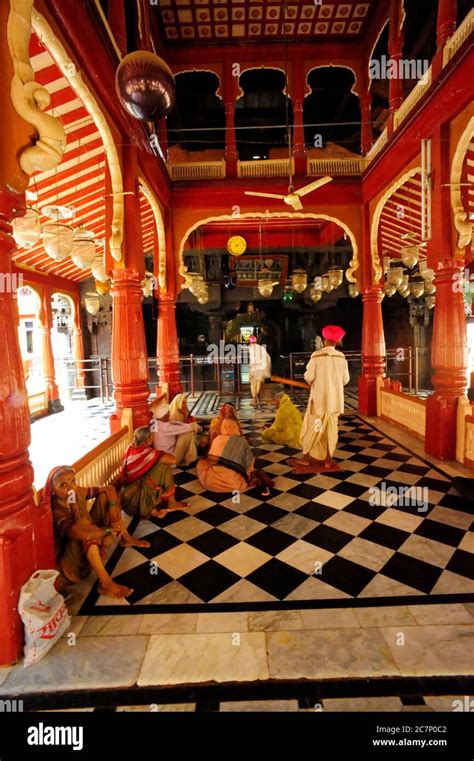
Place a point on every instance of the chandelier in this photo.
(27, 229)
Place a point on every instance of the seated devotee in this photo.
(286, 427)
(230, 463)
(226, 412)
(147, 479)
(81, 536)
(179, 410)
(172, 436)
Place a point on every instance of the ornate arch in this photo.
(353, 264)
(461, 219)
(160, 230)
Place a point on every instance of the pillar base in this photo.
(54, 405)
(440, 438)
(79, 395)
(367, 395)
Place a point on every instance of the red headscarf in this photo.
(47, 495)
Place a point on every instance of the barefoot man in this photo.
(327, 373)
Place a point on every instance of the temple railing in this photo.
(403, 410)
(459, 37)
(198, 170)
(465, 432)
(337, 166)
(38, 404)
(267, 168)
(418, 92)
(378, 145)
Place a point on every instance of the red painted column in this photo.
(366, 135)
(230, 90)
(297, 94)
(395, 46)
(26, 542)
(78, 351)
(116, 19)
(449, 359)
(446, 22)
(129, 354)
(373, 349)
(46, 322)
(167, 347)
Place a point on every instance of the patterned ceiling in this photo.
(207, 21)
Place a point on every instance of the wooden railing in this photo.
(337, 166)
(458, 38)
(38, 404)
(378, 145)
(267, 168)
(102, 465)
(403, 410)
(465, 432)
(198, 170)
(419, 90)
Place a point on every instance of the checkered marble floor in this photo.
(316, 541)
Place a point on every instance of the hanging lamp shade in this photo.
(58, 240)
(92, 302)
(430, 301)
(98, 269)
(430, 288)
(102, 288)
(83, 249)
(336, 275)
(145, 86)
(288, 296)
(299, 281)
(353, 289)
(417, 288)
(404, 285)
(326, 284)
(315, 294)
(410, 256)
(27, 229)
(395, 276)
(203, 294)
(389, 289)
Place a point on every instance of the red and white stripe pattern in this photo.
(79, 180)
(467, 181)
(401, 215)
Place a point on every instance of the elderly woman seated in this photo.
(82, 536)
(174, 437)
(286, 427)
(147, 479)
(230, 464)
(226, 412)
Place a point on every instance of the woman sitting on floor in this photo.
(226, 412)
(230, 464)
(147, 479)
(286, 427)
(82, 536)
(179, 410)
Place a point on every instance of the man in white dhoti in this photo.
(260, 367)
(327, 373)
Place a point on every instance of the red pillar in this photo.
(446, 22)
(46, 320)
(230, 90)
(373, 349)
(366, 136)
(26, 542)
(116, 19)
(129, 354)
(167, 346)
(449, 359)
(395, 46)
(297, 94)
(78, 351)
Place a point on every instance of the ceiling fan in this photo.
(293, 197)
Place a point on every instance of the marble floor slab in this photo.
(432, 650)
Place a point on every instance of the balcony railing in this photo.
(378, 145)
(419, 90)
(268, 168)
(38, 404)
(198, 170)
(459, 37)
(337, 166)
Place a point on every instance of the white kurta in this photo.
(260, 363)
(327, 372)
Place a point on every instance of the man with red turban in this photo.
(327, 373)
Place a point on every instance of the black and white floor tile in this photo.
(316, 541)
